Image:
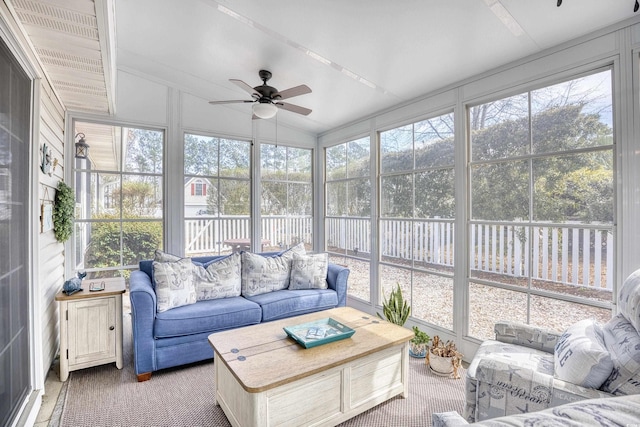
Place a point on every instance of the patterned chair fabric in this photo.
(514, 373)
(612, 411)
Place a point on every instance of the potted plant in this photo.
(395, 309)
(444, 359)
(418, 344)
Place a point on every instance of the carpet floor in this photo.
(106, 396)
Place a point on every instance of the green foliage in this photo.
(395, 309)
(63, 208)
(139, 199)
(420, 337)
(139, 241)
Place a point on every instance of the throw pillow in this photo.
(623, 342)
(629, 299)
(162, 256)
(219, 278)
(309, 271)
(580, 355)
(175, 286)
(267, 274)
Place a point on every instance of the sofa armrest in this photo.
(447, 419)
(143, 314)
(337, 276)
(527, 336)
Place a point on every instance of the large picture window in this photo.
(541, 236)
(417, 214)
(287, 196)
(217, 196)
(119, 203)
(348, 211)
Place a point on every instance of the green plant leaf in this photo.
(63, 208)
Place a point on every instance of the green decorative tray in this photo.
(318, 332)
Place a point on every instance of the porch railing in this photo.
(572, 254)
(209, 235)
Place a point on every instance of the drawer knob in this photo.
(111, 328)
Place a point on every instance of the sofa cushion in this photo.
(309, 271)
(175, 285)
(219, 278)
(207, 316)
(262, 274)
(286, 303)
(623, 342)
(581, 357)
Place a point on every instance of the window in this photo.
(217, 202)
(348, 211)
(417, 214)
(287, 196)
(198, 188)
(119, 204)
(541, 235)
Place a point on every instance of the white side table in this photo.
(91, 326)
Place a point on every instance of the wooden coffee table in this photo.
(264, 378)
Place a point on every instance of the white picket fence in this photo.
(209, 235)
(571, 254)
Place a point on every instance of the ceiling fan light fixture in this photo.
(264, 110)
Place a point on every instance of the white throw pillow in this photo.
(175, 285)
(309, 271)
(267, 274)
(580, 355)
(219, 278)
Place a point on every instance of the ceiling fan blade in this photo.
(242, 85)
(294, 108)
(291, 92)
(233, 101)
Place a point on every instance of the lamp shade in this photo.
(264, 110)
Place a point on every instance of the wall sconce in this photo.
(82, 148)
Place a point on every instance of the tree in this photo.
(138, 199)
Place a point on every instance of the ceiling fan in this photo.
(267, 99)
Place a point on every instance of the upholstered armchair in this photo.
(527, 369)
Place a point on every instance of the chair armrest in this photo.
(504, 389)
(143, 314)
(447, 419)
(527, 336)
(337, 276)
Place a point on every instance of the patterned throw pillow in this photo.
(309, 271)
(162, 256)
(629, 299)
(219, 278)
(175, 286)
(580, 355)
(623, 342)
(267, 274)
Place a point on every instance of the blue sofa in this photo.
(179, 336)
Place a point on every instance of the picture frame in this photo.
(46, 216)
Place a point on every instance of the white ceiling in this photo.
(358, 56)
